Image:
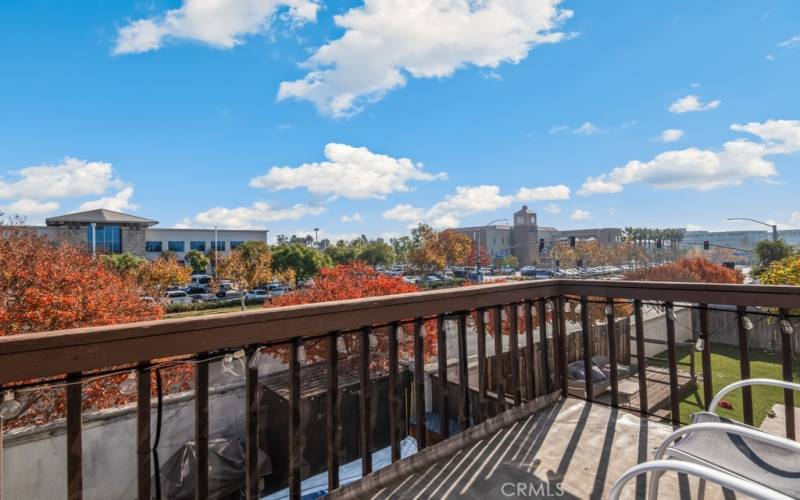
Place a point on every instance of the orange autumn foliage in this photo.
(695, 270)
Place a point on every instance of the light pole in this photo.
(216, 247)
(316, 236)
(94, 238)
(773, 226)
(267, 231)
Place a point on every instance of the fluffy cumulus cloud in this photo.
(552, 208)
(219, 23)
(692, 103)
(118, 202)
(387, 41)
(705, 169)
(580, 215)
(351, 172)
(670, 135)
(587, 128)
(250, 217)
(544, 193)
(356, 217)
(34, 190)
(467, 200)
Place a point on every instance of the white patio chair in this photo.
(734, 448)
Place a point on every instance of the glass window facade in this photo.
(200, 246)
(109, 238)
(176, 246)
(220, 245)
(236, 244)
(153, 246)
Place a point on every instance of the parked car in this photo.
(257, 294)
(200, 283)
(177, 297)
(203, 297)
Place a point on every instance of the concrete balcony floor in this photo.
(567, 446)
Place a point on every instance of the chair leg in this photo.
(701, 490)
(652, 488)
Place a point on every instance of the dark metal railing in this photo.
(89, 350)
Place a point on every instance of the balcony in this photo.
(473, 392)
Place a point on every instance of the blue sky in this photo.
(277, 114)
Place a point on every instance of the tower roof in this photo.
(99, 216)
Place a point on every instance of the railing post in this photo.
(561, 345)
(531, 372)
(365, 417)
(708, 381)
(641, 361)
(74, 439)
(786, 363)
(611, 332)
(587, 348)
(444, 399)
(394, 442)
(143, 431)
(463, 373)
(543, 344)
(482, 378)
(419, 382)
(673, 366)
(332, 422)
(744, 365)
(513, 341)
(498, 360)
(251, 418)
(201, 427)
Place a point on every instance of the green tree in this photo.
(304, 261)
(785, 271)
(247, 266)
(402, 246)
(767, 252)
(377, 253)
(342, 253)
(197, 260)
(124, 264)
(507, 261)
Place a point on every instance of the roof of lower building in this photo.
(101, 215)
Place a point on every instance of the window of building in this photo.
(197, 245)
(152, 246)
(236, 244)
(218, 245)
(107, 239)
(176, 246)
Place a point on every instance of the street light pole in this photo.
(773, 226)
(267, 231)
(216, 248)
(316, 236)
(94, 238)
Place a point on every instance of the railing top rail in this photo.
(51, 353)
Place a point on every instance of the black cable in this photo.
(159, 408)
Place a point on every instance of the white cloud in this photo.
(794, 219)
(356, 217)
(692, 103)
(355, 173)
(580, 215)
(704, 169)
(118, 202)
(544, 193)
(780, 136)
(250, 217)
(387, 41)
(587, 128)
(552, 208)
(25, 206)
(692, 227)
(612, 211)
(670, 135)
(71, 178)
(218, 23)
(790, 41)
(467, 200)
(558, 129)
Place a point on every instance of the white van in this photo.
(177, 297)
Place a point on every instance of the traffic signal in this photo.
(572, 241)
(558, 263)
(658, 243)
(706, 245)
(541, 244)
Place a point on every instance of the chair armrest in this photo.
(752, 381)
(739, 430)
(707, 473)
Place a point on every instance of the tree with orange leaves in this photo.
(353, 281)
(697, 270)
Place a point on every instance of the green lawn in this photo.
(207, 312)
(725, 370)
